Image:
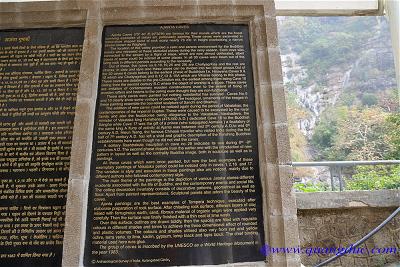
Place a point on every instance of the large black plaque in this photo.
(175, 175)
(39, 72)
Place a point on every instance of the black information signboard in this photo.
(39, 71)
(175, 176)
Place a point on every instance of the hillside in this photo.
(335, 68)
(343, 104)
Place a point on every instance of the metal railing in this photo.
(336, 168)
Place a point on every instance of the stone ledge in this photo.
(348, 199)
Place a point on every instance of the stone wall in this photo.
(333, 219)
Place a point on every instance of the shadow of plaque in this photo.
(39, 71)
(174, 176)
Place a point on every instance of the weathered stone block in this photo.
(74, 222)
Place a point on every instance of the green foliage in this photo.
(326, 52)
(356, 134)
(369, 99)
(348, 98)
(393, 122)
(323, 136)
(375, 178)
(310, 187)
(326, 131)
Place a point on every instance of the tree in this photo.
(369, 99)
(362, 135)
(326, 131)
(393, 134)
(388, 100)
